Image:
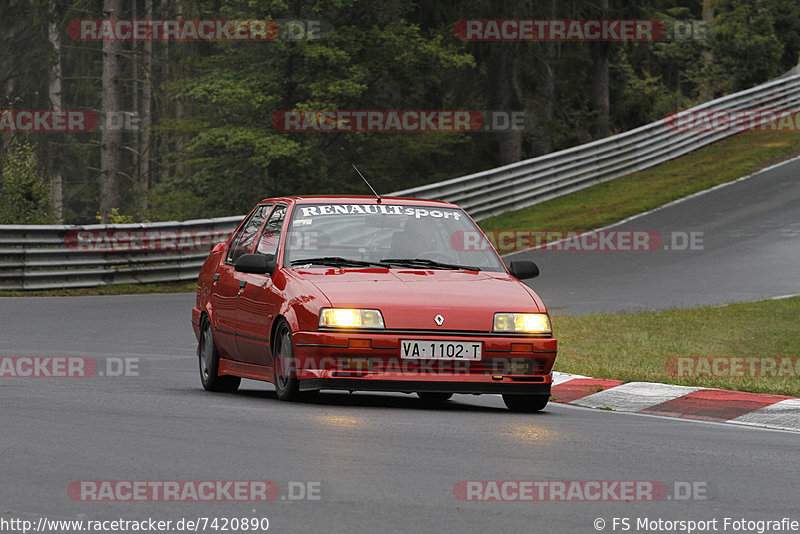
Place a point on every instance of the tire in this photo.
(434, 396)
(286, 383)
(526, 403)
(209, 363)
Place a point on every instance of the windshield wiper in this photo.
(422, 262)
(336, 261)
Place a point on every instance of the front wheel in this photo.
(526, 403)
(209, 363)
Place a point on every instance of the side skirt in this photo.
(245, 370)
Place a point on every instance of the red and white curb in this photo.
(753, 409)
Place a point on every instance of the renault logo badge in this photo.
(439, 319)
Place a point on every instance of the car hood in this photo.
(411, 299)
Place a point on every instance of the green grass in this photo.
(637, 346)
(606, 203)
(116, 289)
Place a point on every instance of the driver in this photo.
(417, 237)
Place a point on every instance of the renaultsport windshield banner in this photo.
(383, 209)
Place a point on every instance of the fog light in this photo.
(519, 368)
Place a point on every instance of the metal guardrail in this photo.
(52, 257)
(56, 256)
(536, 180)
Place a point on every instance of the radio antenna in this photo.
(366, 182)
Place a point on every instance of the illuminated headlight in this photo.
(350, 318)
(522, 323)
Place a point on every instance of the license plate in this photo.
(418, 349)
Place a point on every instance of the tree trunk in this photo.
(505, 98)
(147, 117)
(164, 169)
(54, 93)
(9, 79)
(180, 142)
(706, 89)
(6, 90)
(111, 140)
(546, 96)
(600, 92)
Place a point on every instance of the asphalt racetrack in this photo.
(389, 462)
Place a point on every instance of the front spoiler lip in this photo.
(474, 388)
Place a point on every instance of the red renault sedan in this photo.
(371, 294)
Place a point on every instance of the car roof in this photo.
(358, 199)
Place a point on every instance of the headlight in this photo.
(350, 318)
(524, 323)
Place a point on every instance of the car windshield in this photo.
(386, 235)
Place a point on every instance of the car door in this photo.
(226, 283)
(259, 299)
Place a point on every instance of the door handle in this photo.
(216, 277)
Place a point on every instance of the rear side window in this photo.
(243, 241)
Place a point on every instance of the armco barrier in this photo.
(53, 257)
(529, 182)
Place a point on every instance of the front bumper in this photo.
(438, 386)
(339, 360)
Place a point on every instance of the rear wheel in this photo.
(434, 396)
(526, 403)
(209, 363)
(286, 384)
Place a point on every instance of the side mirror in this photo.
(256, 264)
(523, 269)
